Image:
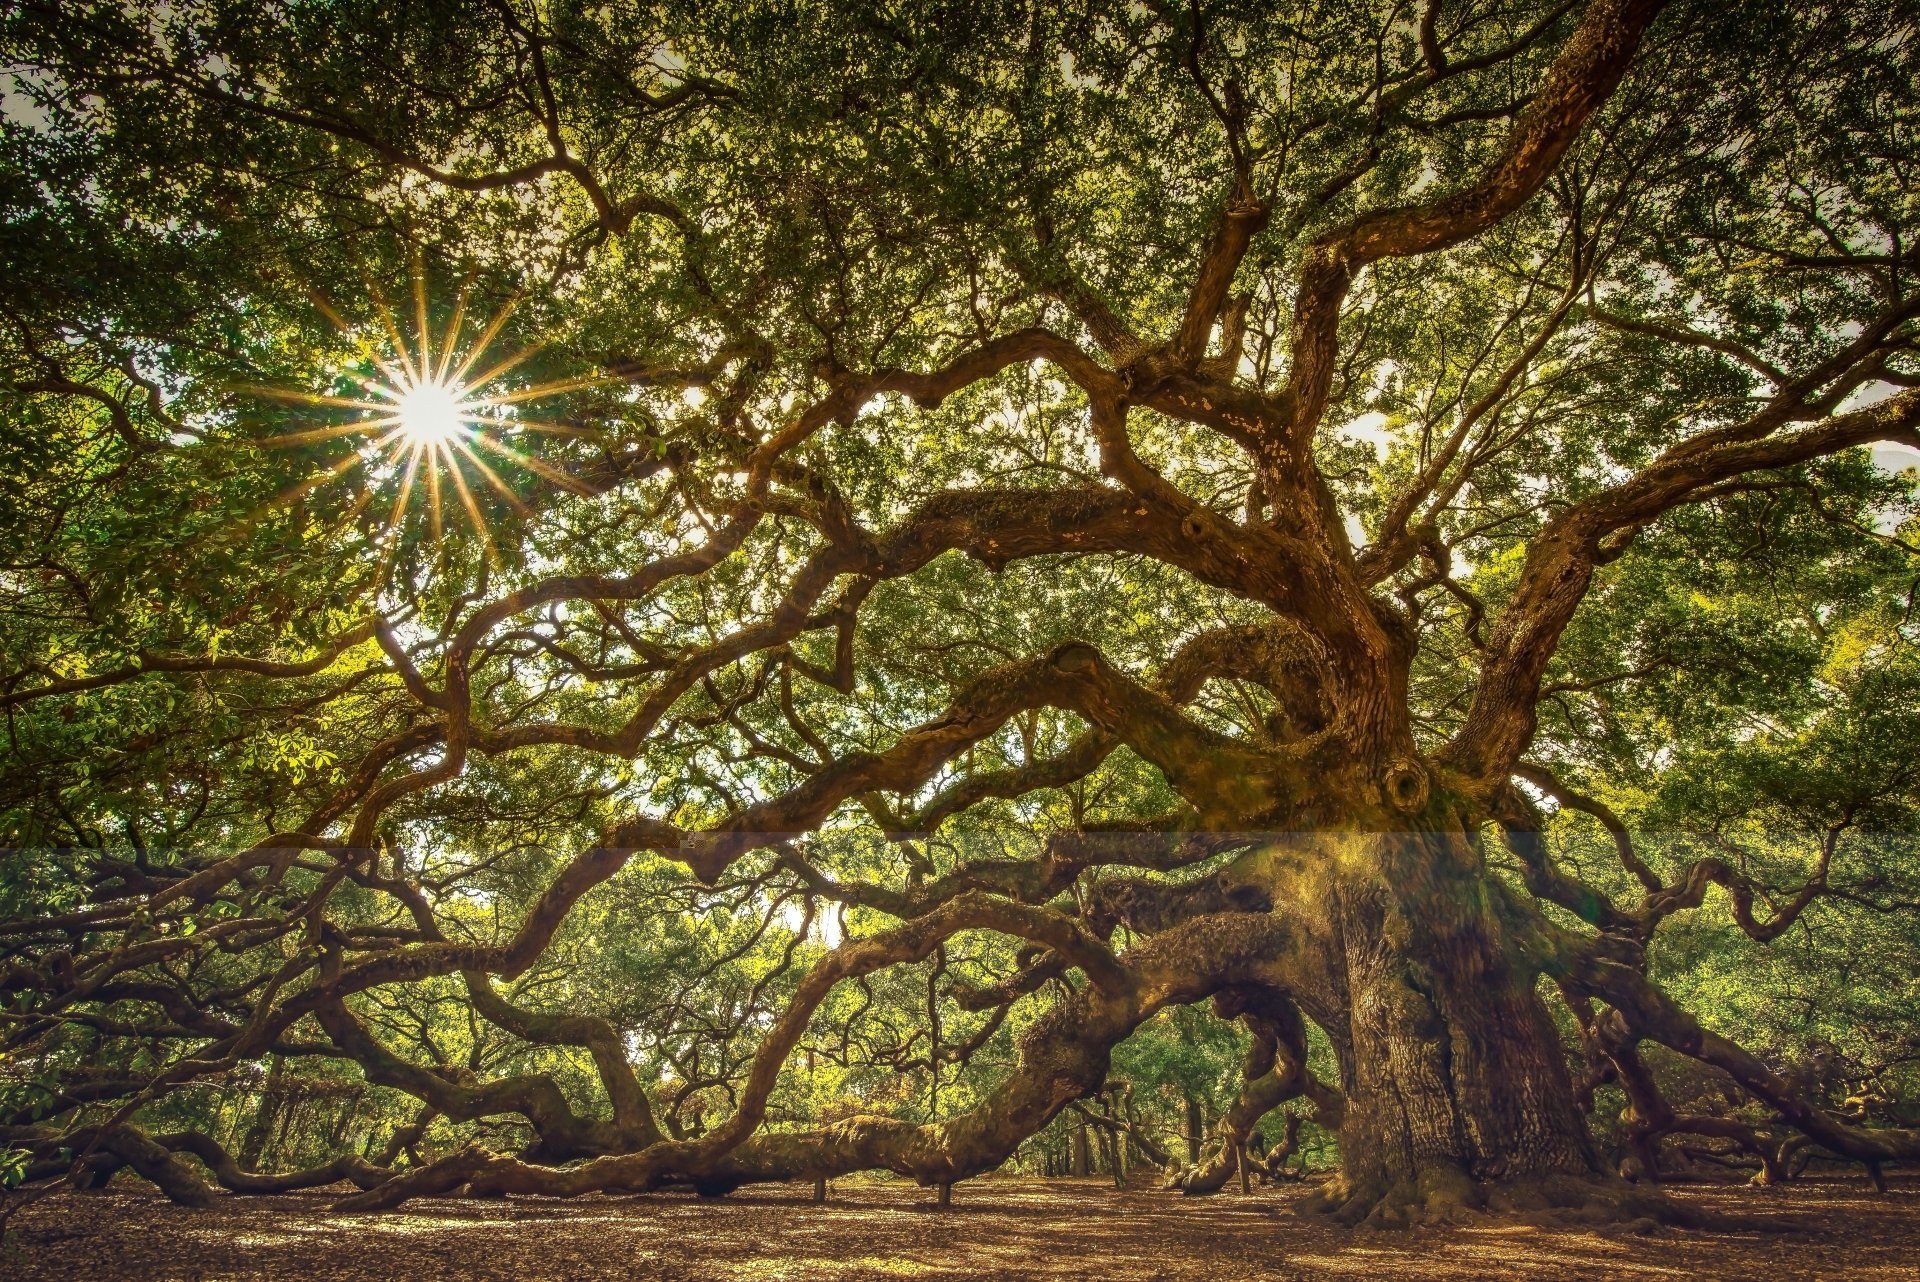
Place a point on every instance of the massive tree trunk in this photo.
(1457, 1089)
(1457, 1077)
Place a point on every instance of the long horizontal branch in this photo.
(145, 663)
(1649, 1012)
(1064, 1057)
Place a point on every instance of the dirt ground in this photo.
(998, 1228)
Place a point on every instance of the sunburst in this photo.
(428, 414)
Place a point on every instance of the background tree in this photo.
(482, 633)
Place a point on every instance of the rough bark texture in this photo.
(1457, 1076)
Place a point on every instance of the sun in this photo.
(428, 413)
(432, 413)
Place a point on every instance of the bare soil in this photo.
(1081, 1230)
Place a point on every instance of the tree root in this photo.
(1441, 1196)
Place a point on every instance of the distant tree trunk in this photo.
(1275, 1160)
(1196, 1130)
(1110, 1154)
(254, 1146)
(1082, 1157)
(350, 1110)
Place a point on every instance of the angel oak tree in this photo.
(1287, 378)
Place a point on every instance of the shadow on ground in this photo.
(1069, 1230)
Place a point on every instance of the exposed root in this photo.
(1442, 1196)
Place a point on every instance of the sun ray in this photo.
(399, 510)
(387, 392)
(493, 478)
(366, 349)
(387, 322)
(499, 370)
(300, 489)
(532, 464)
(395, 516)
(359, 505)
(328, 310)
(425, 415)
(421, 337)
(287, 440)
(481, 344)
(436, 525)
(302, 397)
(332, 473)
(468, 501)
(539, 390)
(552, 428)
(451, 343)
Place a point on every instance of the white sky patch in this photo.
(1370, 429)
(1889, 456)
(1893, 459)
(1867, 394)
(826, 922)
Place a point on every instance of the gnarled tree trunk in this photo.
(1457, 1089)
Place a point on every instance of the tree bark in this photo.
(1458, 1095)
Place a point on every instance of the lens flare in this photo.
(427, 410)
(431, 413)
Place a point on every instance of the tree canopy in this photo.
(634, 595)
